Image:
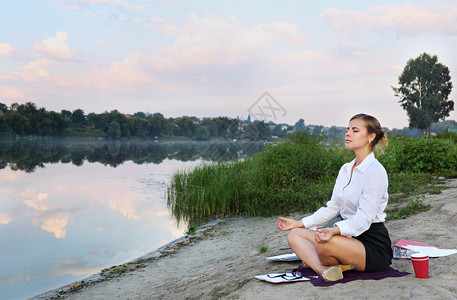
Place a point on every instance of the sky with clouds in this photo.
(322, 61)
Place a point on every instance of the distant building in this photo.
(240, 126)
(452, 129)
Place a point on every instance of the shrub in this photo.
(417, 155)
(415, 205)
(449, 136)
(297, 174)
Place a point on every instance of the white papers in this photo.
(400, 252)
(284, 257)
(431, 251)
(280, 278)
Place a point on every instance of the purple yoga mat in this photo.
(349, 275)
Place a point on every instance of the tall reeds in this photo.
(297, 174)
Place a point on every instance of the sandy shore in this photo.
(221, 261)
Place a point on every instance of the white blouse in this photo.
(360, 201)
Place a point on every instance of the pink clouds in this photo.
(165, 26)
(56, 48)
(287, 31)
(91, 1)
(180, 66)
(51, 53)
(101, 42)
(197, 43)
(294, 58)
(405, 19)
(127, 75)
(11, 93)
(131, 69)
(5, 218)
(7, 49)
(35, 70)
(210, 40)
(102, 1)
(75, 5)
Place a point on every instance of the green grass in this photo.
(414, 205)
(298, 175)
(295, 175)
(403, 185)
(262, 248)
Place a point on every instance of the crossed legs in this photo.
(320, 256)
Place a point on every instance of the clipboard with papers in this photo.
(404, 248)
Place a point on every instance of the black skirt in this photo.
(378, 248)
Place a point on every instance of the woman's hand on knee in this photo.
(323, 235)
(288, 224)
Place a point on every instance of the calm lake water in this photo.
(71, 209)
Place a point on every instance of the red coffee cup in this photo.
(420, 264)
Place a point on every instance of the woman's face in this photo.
(357, 136)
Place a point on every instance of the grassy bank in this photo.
(298, 175)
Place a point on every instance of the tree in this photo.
(114, 130)
(318, 129)
(78, 119)
(201, 133)
(139, 126)
(158, 125)
(66, 114)
(139, 114)
(258, 131)
(18, 122)
(58, 123)
(218, 127)
(425, 85)
(121, 119)
(3, 108)
(34, 116)
(300, 124)
(185, 126)
(4, 127)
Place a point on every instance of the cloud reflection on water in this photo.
(63, 223)
(5, 218)
(54, 222)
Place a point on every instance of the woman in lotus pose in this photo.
(360, 240)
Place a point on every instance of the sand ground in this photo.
(223, 262)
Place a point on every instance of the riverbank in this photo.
(221, 260)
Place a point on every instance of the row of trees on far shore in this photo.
(27, 119)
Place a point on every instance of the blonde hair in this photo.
(373, 126)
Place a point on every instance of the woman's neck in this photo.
(360, 155)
